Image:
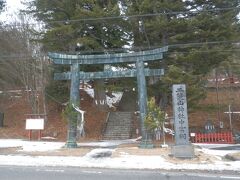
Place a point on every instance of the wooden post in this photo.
(39, 135)
(30, 135)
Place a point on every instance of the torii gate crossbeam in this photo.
(136, 57)
(108, 74)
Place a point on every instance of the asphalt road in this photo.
(67, 173)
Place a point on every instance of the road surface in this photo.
(70, 173)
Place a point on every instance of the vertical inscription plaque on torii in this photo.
(183, 147)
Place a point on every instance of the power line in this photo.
(54, 99)
(205, 51)
(16, 57)
(116, 50)
(127, 16)
(203, 43)
(147, 15)
(141, 48)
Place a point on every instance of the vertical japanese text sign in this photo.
(180, 114)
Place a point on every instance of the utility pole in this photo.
(217, 91)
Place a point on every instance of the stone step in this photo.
(119, 125)
(117, 130)
(117, 133)
(115, 137)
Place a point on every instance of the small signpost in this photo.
(35, 124)
(230, 112)
(182, 148)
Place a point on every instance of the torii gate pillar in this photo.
(142, 96)
(74, 99)
(137, 57)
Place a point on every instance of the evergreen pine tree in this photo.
(191, 28)
(65, 27)
(2, 4)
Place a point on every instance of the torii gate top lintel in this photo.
(140, 72)
(148, 55)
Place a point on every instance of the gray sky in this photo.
(12, 8)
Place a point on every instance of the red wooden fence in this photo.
(218, 138)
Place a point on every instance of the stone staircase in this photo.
(118, 126)
(128, 102)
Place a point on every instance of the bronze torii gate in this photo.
(75, 75)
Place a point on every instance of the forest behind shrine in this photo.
(202, 39)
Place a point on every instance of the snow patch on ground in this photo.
(124, 160)
(109, 143)
(115, 99)
(207, 149)
(220, 153)
(90, 92)
(100, 153)
(41, 146)
(31, 146)
(209, 146)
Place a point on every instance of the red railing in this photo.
(218, 138)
